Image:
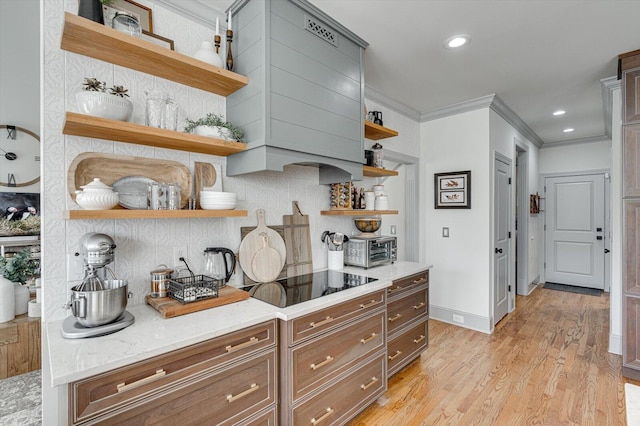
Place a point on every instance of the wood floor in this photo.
(545, 364)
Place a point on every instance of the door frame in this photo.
(511, 300)
(522, 231)
(607, 221)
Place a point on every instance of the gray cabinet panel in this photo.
(316, 142)
(310, 45)
(309, 69)
(294, 87)
(247, 46)
(243, 18)
(295, 16)
(255, 88)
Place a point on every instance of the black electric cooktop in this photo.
(293, 290)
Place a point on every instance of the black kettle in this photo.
(219, 263)
(377, 117)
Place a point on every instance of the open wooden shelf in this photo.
(122, 131)
(150, 214)
(376, 132)
(376, 172)
(91, 39)
(356, 212)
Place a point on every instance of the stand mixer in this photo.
(98, 304)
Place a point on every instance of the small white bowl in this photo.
(218, 205)
(104, 105)
(213, 132)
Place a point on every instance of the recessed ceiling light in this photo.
(568, 130)
(457, 41)
(559, 112)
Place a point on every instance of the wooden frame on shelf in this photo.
(156, 39)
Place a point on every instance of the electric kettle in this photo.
(219, 264)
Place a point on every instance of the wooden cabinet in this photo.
(408, 320)
(19, 346)
(332, 363)
(225, 380)
(630, 67)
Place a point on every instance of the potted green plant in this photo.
(215, 126)
(96, 99)
(20, 267)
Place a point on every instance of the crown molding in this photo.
(515, 121)
(377, 97)
(601, 138)
(608, 85)
(459, 108)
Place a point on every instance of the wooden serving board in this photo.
(253, 242)
(109, 168)
(170, 308)
(297, 238)
(245, 230)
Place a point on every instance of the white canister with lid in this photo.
(96, 196)
(378, 190)
(369, 200)
(382, 202)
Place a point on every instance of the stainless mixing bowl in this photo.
(100, 307)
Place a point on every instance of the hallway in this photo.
(546, 363)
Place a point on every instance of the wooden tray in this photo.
(109, 168)
(170, 308)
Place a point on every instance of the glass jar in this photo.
(170, 117)
(378, 156)
(126, 23)
(155, 108)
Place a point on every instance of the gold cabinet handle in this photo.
(392, 289)
(419, 339)
(392, 357)
(368, 339)
(419, 280)
(398, 316)
(327, 320)
(254, 387)
(327, 413)
(373, 380)
(373, 302)
(421, 305)
(327, 360)
(123, 387)
(252, 341)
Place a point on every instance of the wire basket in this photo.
(193, 288)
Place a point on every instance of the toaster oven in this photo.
(370, 251)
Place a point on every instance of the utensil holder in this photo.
(336, 260)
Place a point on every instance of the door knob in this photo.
(607, 250)
(498, 250)
(599, 237)
(598, 229)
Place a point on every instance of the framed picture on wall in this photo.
(452, 190)
(19, 214)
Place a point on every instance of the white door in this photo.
(574, 230)
(501, 259)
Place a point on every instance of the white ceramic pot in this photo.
(96, 196)
(7, 300)
(207, 54)
(21, 299)
(213, 132)
(105, 105)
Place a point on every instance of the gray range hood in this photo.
(305, 99)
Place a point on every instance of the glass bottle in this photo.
(378, 155)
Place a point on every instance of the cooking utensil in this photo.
(252, 242)
(266, 265)
(95, 308)
(297, 239)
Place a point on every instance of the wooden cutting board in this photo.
(297, 238)
(204, 175)
(110, 168)
(280, 230)
(253, 242)
(170, 308)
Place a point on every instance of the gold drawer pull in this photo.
(398, 316)
(419, 280)
(250, 342)
(392, 289)
(122, 387)
(419, 339)
(421, 305)
(397, 354)
(322, 364)
(373, 380)
(327, 320)
(373, 302)
(368, 339)
(254, 387)
(315, 421)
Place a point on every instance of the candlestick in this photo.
(229, 19)
(216, 40)
(217, 26)
(229, 54)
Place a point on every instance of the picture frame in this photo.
(144, 14)
(452, 190)
(156, 39)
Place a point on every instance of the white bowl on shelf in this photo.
(104, 105)
(218, 205)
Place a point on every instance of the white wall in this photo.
(20, 77)
(576, 157)
(461, 276)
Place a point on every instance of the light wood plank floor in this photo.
(546, 364)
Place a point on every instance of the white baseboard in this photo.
(615, 344)
(470, 321)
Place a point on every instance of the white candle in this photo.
(229, 26)
(217, 26)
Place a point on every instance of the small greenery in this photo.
(215, 120)
(28, 226)
(20, 267)
(95, 85)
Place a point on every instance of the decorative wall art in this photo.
(19, 213)
(452, 190)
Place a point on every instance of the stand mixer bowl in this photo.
(99, 307)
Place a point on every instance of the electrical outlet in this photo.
(445, 232)
(458, 318)
(393, 230)
(179, 252)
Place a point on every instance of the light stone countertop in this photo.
(151, 335)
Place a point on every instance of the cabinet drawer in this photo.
(341, 401)
(404, 285)
(407, 309)
(407, 346)
(266, 418)
(93, 396)
(631, 79)
(313, 324)
(317, 362)
(219, 397)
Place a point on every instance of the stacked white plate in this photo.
(217, 200)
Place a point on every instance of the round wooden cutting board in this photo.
(266, 265)
(253, 242)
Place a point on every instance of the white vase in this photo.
(7, 300)
(21, 299)
(207, 54)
